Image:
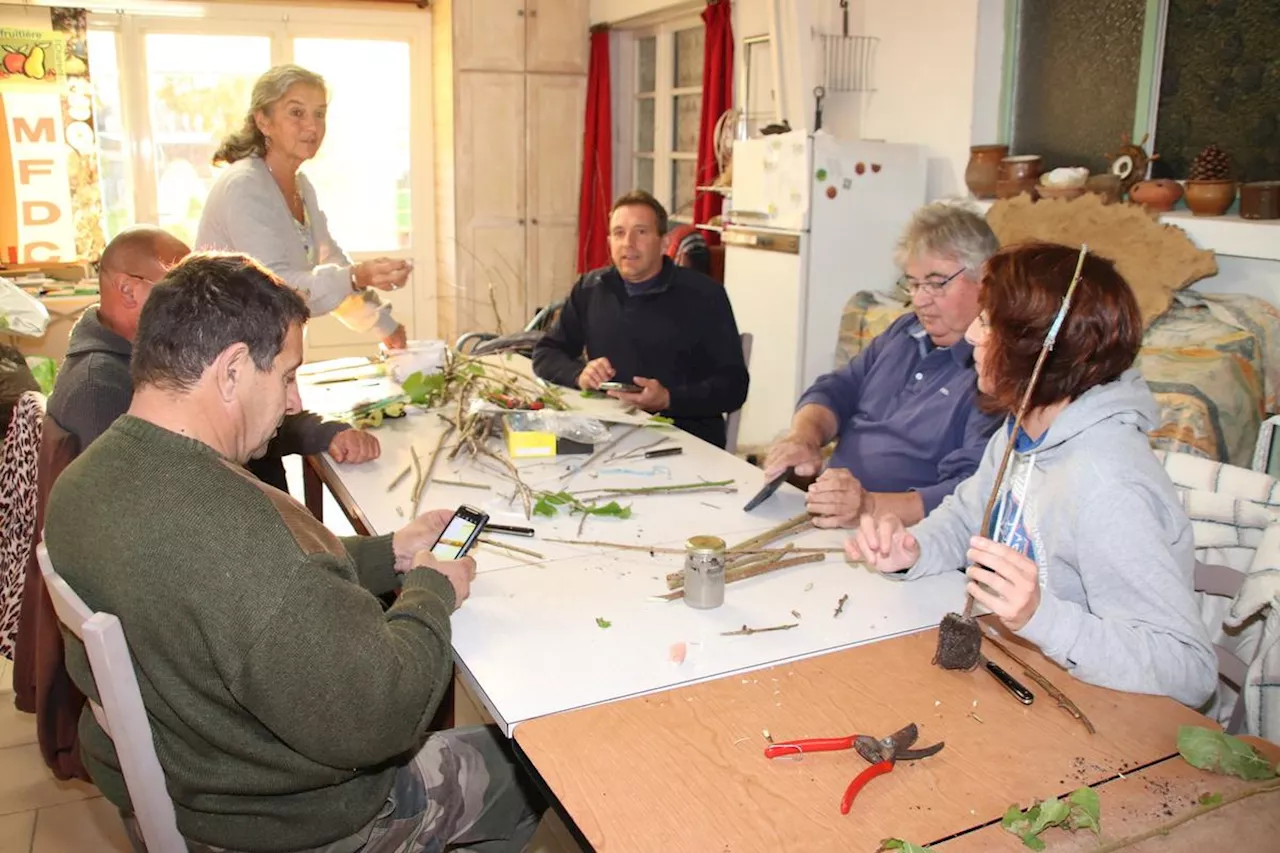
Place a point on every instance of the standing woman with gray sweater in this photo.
(262, 206)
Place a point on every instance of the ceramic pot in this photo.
(1064, 193)
(1157, 195)
(1014, 188)
(1210, 198)
(1260, 200)
(981, 173)
(1107, 186)
(1020, 167)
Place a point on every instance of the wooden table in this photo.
(696, 778)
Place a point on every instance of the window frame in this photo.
(626, 81)
(1150, 64)
(132, 20)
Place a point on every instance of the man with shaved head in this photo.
(93, 386)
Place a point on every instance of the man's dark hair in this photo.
(640, 197)
(206, 303)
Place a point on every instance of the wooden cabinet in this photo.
(556, 36)
(521, 35)
(509, 145)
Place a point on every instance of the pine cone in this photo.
(1211, 164)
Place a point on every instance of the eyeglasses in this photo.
(933, 285)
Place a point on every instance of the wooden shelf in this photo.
(1225, 235)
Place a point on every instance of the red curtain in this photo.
(717, 96)
(597, 160)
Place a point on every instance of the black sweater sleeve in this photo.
(557, 356)
(723, 386)
(306, 434)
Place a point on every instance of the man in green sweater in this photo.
(288, 711)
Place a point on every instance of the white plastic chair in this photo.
(735, 418)
(121, 714)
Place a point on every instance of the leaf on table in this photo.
(612, 509)
(544, 507)
(1219, 752)
(659, 421)
(1086, 810)
(1015, 821)
(1207, 799)
(603, 622)
(421, 389)
(1052, 813)
(905, 846)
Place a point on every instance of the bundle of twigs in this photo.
(755, 569)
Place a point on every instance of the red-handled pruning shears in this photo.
(882, 754)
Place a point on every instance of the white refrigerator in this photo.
(813, 220)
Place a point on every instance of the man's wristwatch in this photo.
(355, 287)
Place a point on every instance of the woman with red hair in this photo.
(1089, 554)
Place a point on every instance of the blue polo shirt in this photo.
(908, 413)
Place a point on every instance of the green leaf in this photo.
(602, 622)
(593, 395)
(905, 846)
(1011, 816)
(420, 389)
(1086, 809)
(1052, 813)
(474, 369)
(1207, 799)
(1219, 752)
(612, 509)
(558, 498)
(545, 508)
(1032, 841)
(659, 421)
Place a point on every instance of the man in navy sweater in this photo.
(644, 320)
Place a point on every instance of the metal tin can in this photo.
(704, 572)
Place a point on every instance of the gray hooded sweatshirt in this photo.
(1091, 504)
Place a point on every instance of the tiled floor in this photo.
(39, 814)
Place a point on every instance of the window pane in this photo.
(688, 111)
(644, 174)
(644, 124)
(646, 64)
(682, 182)
(1220, 85)
(1070, 110)
(361, 174)
(689, 57)
(199, 90)
(113, 153)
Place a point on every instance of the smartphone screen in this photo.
(621, 386)
(460, 533)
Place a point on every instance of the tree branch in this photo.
(1063, 702)
(1163, 829)
(744, 631)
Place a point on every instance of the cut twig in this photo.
(463, 484)
(735, 568)
(1061, 698)
(680, 488)
(658, 549)
(504, 546)
(755, 571)
(609, 445)
(744, 631)
(1268, 787)
(421, 485)
(417, 481)
(840, 605)
(399, 478)
(744, 559)
(787, 528)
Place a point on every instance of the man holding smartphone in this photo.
(664, 333)
(289, 711)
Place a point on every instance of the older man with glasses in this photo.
(904, 412)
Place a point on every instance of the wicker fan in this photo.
(726, 133)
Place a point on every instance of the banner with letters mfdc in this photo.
(37, 224)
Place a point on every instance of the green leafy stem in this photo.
(1081, 810)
